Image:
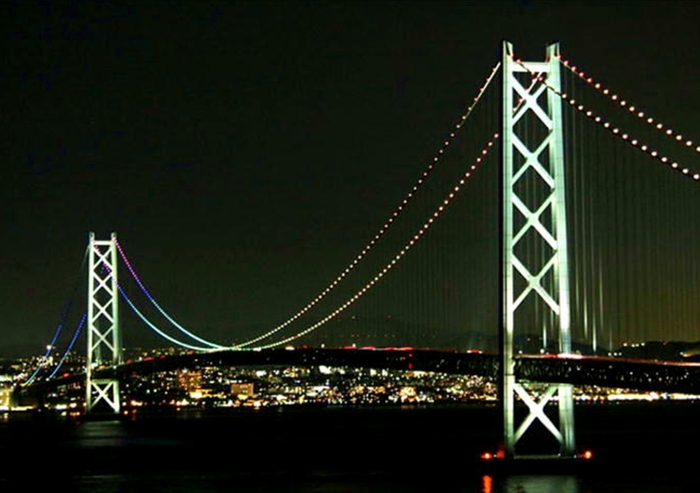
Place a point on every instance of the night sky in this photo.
(244, 152)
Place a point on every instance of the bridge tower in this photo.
(534, 248)
(104, 347)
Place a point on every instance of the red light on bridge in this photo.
(487, 456)
(587, 455)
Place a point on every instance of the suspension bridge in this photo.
(538, 214)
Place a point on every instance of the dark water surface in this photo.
(639, 447)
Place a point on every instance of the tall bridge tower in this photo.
(104, 346)
(534, 243)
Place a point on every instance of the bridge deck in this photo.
(577, 370)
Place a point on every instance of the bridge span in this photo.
(645, 375)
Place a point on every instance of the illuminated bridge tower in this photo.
(534, 248)
(103, 338)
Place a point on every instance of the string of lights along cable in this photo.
(389, 222)
(69, 347)
(151, 299)
(623, 103)
(51, 346)
(410, 244)
(613, 129)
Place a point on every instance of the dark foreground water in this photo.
(640, 448)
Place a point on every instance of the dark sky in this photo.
(245, 151)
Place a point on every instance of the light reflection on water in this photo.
(113, 433)
(208, 484)
(178, 482)
(523, 483)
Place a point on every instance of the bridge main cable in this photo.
(61, 324)
(623, 103)
(136, 278)
(392, 263)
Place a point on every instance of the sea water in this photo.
(638, 447)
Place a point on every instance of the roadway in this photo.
(646, 375)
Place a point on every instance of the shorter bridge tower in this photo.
(104, 348)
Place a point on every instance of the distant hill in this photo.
(662, 350)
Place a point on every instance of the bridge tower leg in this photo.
(534, 247)
(103, 338)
